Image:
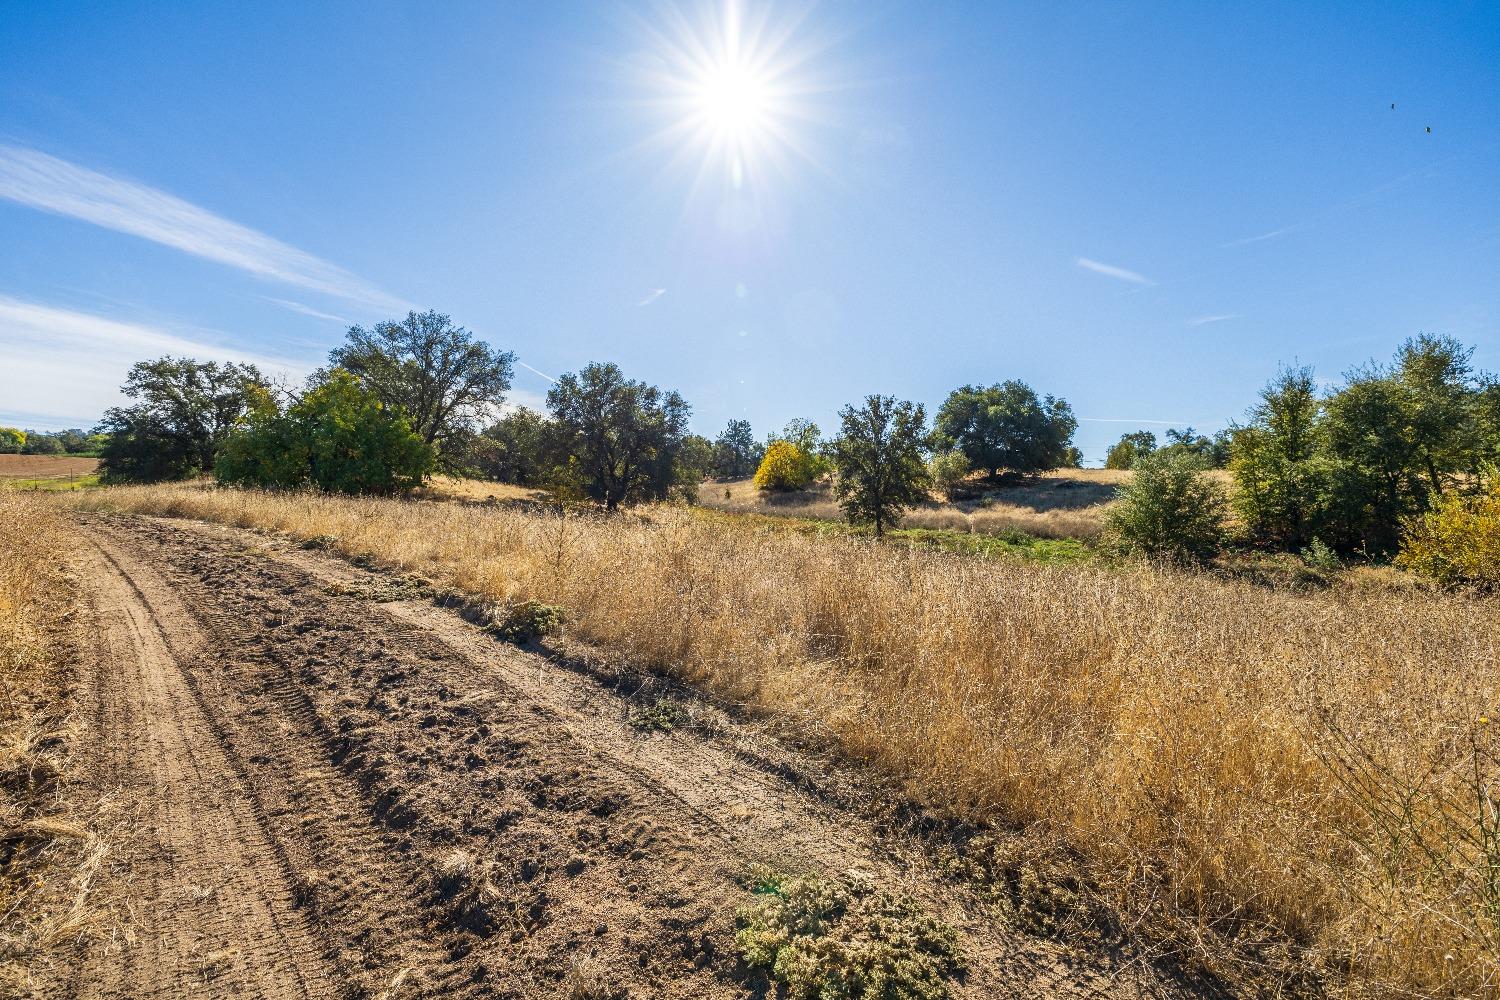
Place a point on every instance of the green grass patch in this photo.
(1009, 544)
(52, 483)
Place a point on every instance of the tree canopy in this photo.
(184, 410)
(736, 452)
(622, 435)
(879, 462)
(1006, 426)
(446, 380)
(337, 437)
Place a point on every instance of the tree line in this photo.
(408, 397)
(74, 441)
(1349, 469)
(1354, 469)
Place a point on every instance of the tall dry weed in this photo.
(1230, 762)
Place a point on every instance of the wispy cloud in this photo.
(1273, 234)
(1134, 277)
(1215, 318)
(652, 296)
(66, 367)
(62, 188)
(298, 307)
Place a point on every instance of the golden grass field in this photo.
(1226, 762)
(47, 883)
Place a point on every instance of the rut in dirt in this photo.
(340, 796)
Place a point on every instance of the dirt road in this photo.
(337, 791)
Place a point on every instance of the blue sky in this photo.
(1141, 208)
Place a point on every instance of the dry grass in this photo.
(1068, 503)
(1230, 764)
(50, 859)
(479, 490)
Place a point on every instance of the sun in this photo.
(732, 88)
(733, 101)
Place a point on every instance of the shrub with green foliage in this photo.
(784, 467)
(1457, 542)
(824, 940)
(948, 471)
(1169, 510)
(12, 440)
(338, 437)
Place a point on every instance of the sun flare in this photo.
(732, 87)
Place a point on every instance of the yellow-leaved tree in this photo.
(785, 467)
(1457, 541)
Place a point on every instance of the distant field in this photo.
(48, 472)
(1068, 503)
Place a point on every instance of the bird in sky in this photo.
(1393, 105)
(1429, 130)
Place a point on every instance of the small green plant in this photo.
(1321, 556)
(663, 716)
(845, 940)
(528, 620)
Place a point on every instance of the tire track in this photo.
(215, 914)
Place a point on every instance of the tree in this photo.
(521, 447)
(443, 378)
(808, 439)
(1005, 426)
(878, 460)
(785, 467)
(1169, 510)
(695, 461)
(1437, 387)
(1285, 483)
(184, 411)
(12, 440)
(1132, 447)
(624, 435)
(74, 440)
(736, 453)
(338, 437)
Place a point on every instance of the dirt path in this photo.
(342, 795)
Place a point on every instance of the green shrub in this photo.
(338, 437)
(1169, 510)
(664, 715)
(826, 940)
(12, 440)
(1457, 542)
(948, 470)
(528, 620)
